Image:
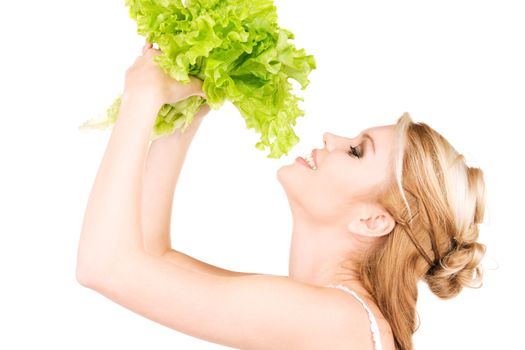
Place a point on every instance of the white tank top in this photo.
(373, 323)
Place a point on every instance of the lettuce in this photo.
(239, 51)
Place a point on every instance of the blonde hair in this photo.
(437, 202)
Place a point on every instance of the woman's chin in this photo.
(291, 180)
(284, 174)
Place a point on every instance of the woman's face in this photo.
(343, 175)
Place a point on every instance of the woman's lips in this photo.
(303, 162)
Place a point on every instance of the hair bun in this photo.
(459, 268)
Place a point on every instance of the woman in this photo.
(372, 216)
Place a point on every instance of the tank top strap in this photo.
(373, 323)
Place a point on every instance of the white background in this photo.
(457, 65)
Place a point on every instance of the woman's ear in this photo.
(373, 221)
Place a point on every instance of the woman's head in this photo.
(412, 192)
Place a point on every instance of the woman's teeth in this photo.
(310, 161)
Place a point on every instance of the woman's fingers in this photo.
(146, 47)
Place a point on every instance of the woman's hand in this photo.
(146, 79)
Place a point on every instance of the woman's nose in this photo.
(328, 140)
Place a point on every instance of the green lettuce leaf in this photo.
(239, 51)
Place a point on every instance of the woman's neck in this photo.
(324, 255)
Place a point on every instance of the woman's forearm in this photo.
(163, 166)
(112, 222)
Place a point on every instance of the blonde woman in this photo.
(372, 216)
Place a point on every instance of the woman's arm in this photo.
(245, 312)
(248, 312)
(190, 263)
(111, 229)
(163, 166)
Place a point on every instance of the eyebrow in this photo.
(367, 136)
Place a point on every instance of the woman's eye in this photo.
(355, 151)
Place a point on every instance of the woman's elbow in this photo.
(87, 274)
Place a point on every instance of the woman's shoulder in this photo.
(356, 329)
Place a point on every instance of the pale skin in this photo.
(125, 249)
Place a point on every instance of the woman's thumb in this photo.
(193, 88)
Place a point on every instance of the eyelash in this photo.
(355, 152)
